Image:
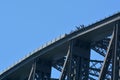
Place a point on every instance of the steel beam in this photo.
(40, 70)
(76, 65)
(67, 61)
(107, 60)
(116, 58)
(113, 54)
(32, 72)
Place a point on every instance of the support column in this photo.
(108, 58)
(41, 70)
(116, 59)
(32, 72)
(113, 54)
(81, 58)
(67, 64)
(76, 65)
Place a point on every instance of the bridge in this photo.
(71, 54)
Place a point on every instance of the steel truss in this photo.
(74, 55)
(108, 48)
(78, 66)
(113, 54)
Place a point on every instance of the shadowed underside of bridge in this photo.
(71, 55)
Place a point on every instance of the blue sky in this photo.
(27, 24)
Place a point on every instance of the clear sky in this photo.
(27, 24)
